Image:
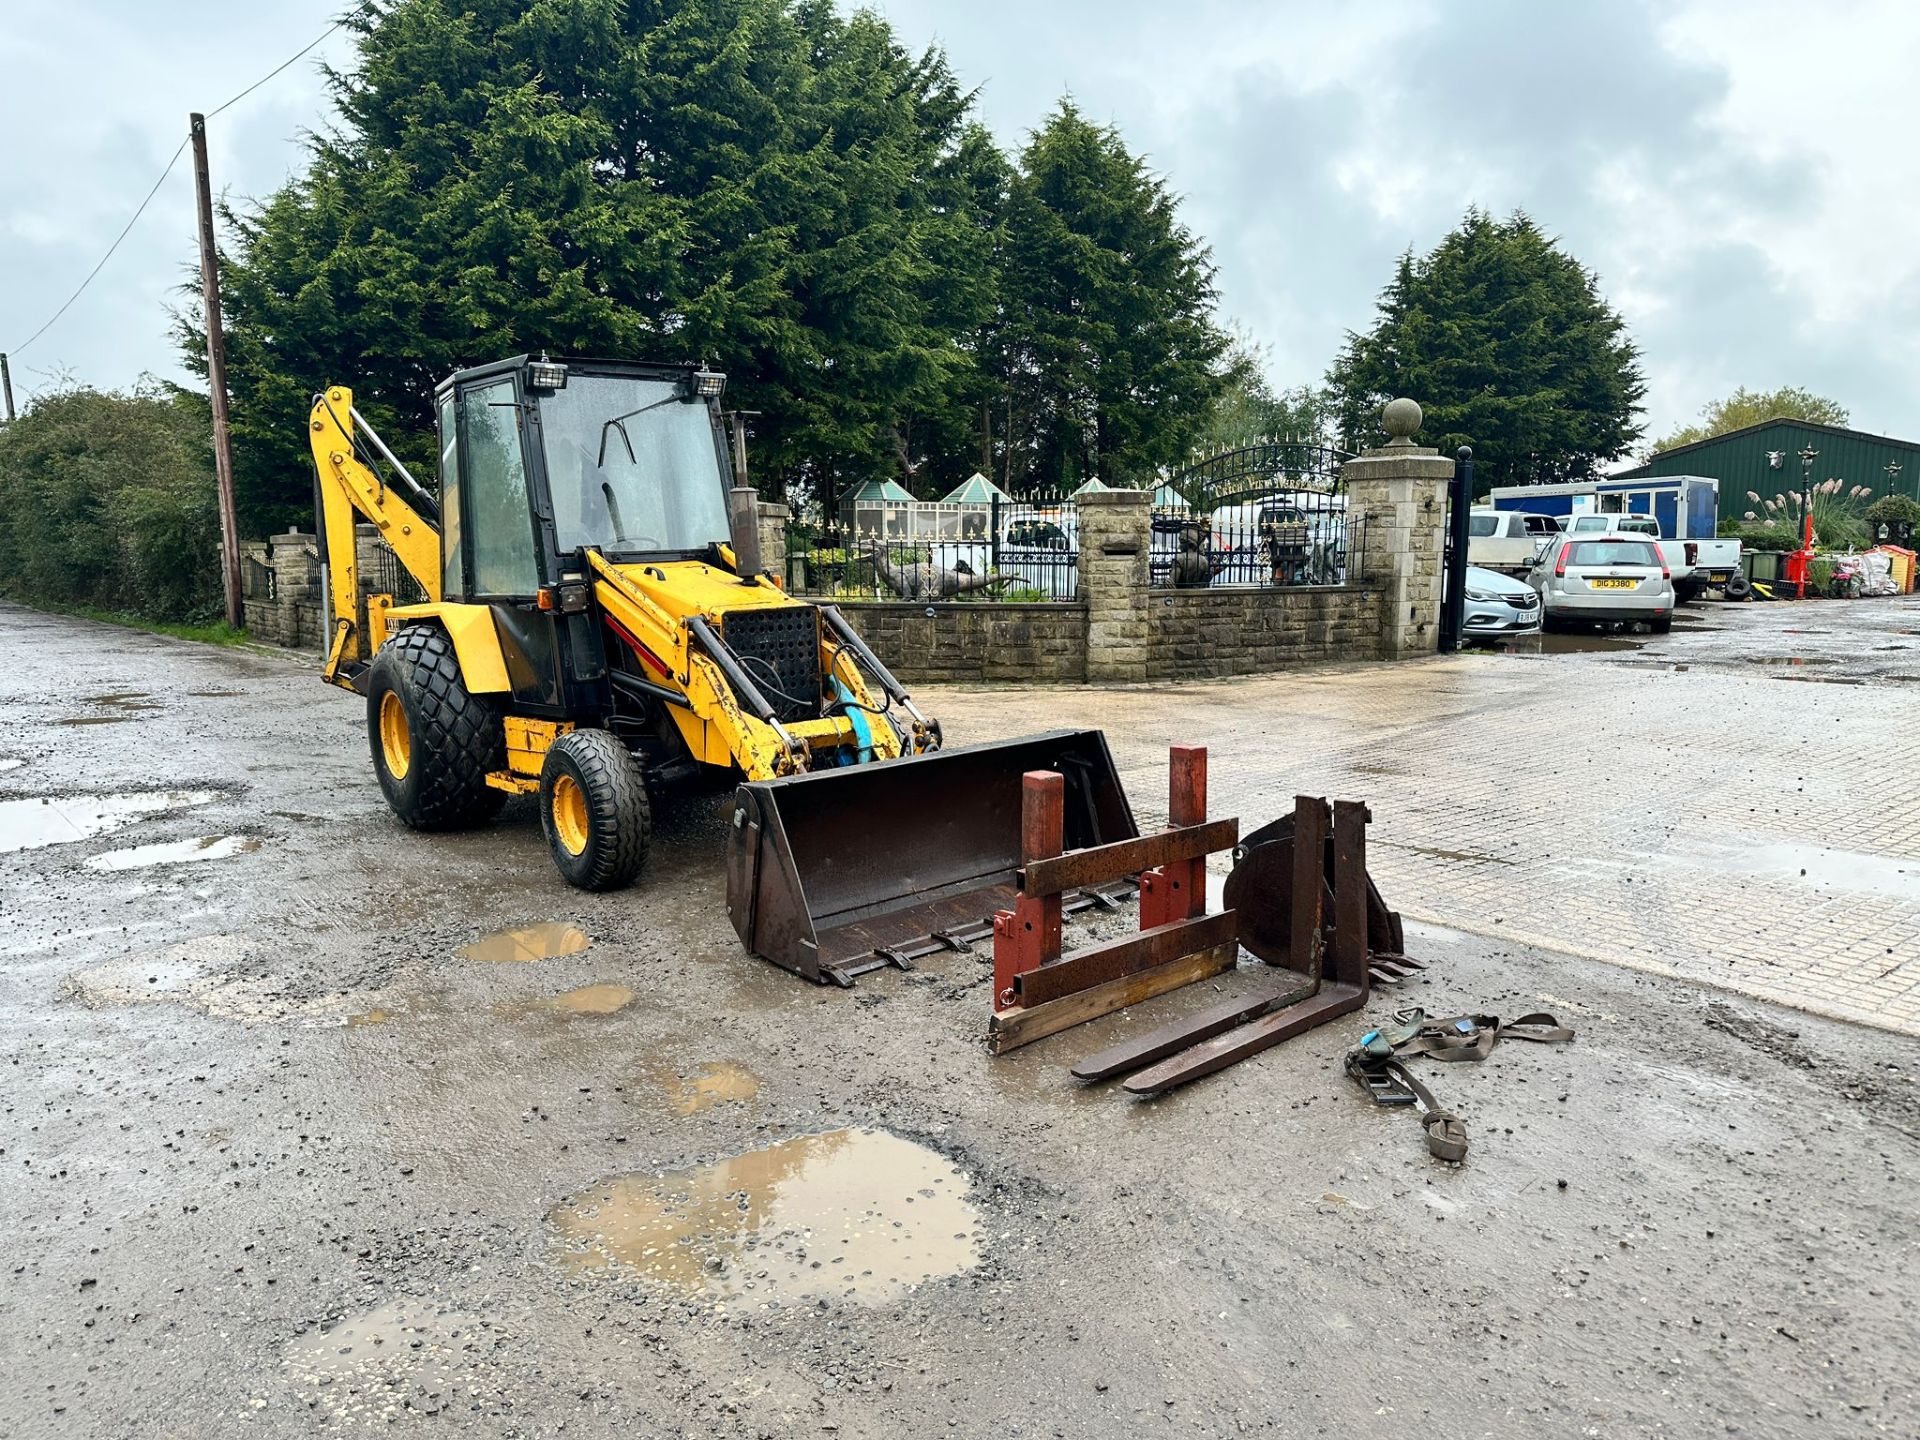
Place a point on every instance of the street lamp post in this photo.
(1800, 561)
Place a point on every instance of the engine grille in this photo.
(780, 650)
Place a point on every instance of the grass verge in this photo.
(218, 633)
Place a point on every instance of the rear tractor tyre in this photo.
(594, 810)
(433, 742)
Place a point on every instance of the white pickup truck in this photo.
(1696, 565)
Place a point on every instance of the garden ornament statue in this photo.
(926, 580)
(1191, 570)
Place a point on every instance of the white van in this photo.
(1506, 539)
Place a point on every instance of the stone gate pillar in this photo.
(1116, 543)
(1398, 495)
(773, 538)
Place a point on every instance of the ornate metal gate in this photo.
(1270, 514)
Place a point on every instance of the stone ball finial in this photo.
(1402, 419)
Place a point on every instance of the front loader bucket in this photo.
(834, 873)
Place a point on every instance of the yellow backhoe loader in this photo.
(597, 626)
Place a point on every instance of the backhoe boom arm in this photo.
(348, 487)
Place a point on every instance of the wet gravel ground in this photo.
(278, 1160)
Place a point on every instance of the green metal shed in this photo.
(1764, 459)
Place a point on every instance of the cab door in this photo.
(498, 551)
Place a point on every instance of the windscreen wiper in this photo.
(619, 422)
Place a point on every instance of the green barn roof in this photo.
(1764, 460)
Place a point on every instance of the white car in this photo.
(1605, 579)
(1506, 539)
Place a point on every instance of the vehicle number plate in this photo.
(1612, 584)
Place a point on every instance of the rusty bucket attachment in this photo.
(838, 872)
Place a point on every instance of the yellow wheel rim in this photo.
(396, 744)
(569, 806)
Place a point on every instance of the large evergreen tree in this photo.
(759, 183)
(1507, 344)
(1105, 338)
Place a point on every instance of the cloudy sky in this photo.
(1739, 172)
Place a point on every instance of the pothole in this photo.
(8, 762)
(530, 942)
(718, 1082)
(176, 852)
(33, 824)
(94, 720)
(199, 973)
(587, 1000)
(126, 700)
(854, 1215)
(404, 1355)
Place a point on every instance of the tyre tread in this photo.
(458, 739)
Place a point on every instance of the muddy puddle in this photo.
(718, 1082)
(125, 700)
(1790, 660)
(405, 1356)
(854, 1215)
(587, 1000)
(176, 852)
(35, 823)
(530, 942)
(94, 720)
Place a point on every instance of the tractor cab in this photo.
(542, 460)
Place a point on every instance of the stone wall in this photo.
(1208, 634)
(1044, 643)
(292, 613)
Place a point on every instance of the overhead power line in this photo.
(173, 160)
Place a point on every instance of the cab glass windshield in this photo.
(632, 467)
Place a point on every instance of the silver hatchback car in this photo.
(1498, 605)
(1608, 578)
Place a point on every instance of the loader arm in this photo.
(717, 730)
(349, 487)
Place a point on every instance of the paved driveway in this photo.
(1737, 803)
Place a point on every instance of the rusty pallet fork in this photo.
(1307, 907)
(1299, 898)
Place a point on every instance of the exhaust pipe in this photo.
(743, 521)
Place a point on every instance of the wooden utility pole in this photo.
(6, 385)
(217, 374)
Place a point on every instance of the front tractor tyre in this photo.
(594, 809)
(433, 743)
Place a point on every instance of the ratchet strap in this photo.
(1377, 1063)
